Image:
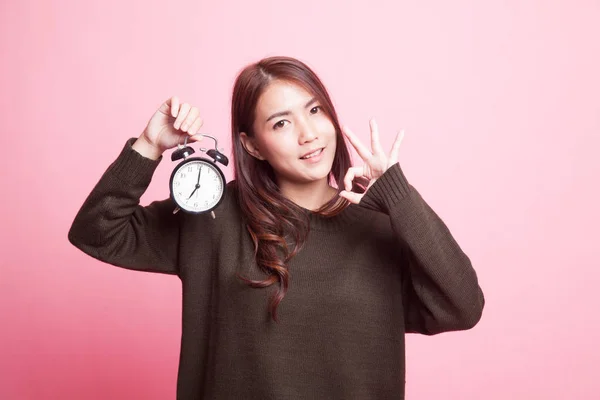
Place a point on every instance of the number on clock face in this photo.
(199, 186)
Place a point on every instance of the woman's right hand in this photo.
(168, 127)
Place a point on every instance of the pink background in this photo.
(501, 105)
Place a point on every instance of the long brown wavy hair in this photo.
(278, 226)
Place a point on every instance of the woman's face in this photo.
(293, 134)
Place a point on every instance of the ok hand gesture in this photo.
(376, 162)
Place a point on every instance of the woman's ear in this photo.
(250, 146)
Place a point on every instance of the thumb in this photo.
(351, 196)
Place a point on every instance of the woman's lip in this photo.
(321, 152)
(314, 159)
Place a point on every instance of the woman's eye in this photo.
(279, 124)
(315, 109)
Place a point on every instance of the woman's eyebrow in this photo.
(284, 113)
(313, 100)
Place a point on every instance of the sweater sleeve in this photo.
(112, 227)
(441, 292)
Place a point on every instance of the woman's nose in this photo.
(308, 133)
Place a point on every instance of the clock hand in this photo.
(197, 183)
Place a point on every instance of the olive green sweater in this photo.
(363, 279)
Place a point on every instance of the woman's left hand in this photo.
(376, 161)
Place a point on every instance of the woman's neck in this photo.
(311, 196)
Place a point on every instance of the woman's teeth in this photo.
(316, 153)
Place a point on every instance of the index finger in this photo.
(173, 103)
(362, 151)
(375, 144)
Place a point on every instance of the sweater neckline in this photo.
(340, 221)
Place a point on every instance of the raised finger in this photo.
(394, 153)
(352, 173)
(183, 112)
(173, 104)
(362, 151)
(375, 144)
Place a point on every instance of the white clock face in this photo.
(197, 186)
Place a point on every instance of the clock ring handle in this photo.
(203, 135)
(213, 138)
(216, 152)
(184, 142)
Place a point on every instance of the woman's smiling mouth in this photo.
(314, 154)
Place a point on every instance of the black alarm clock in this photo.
(197, 184)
